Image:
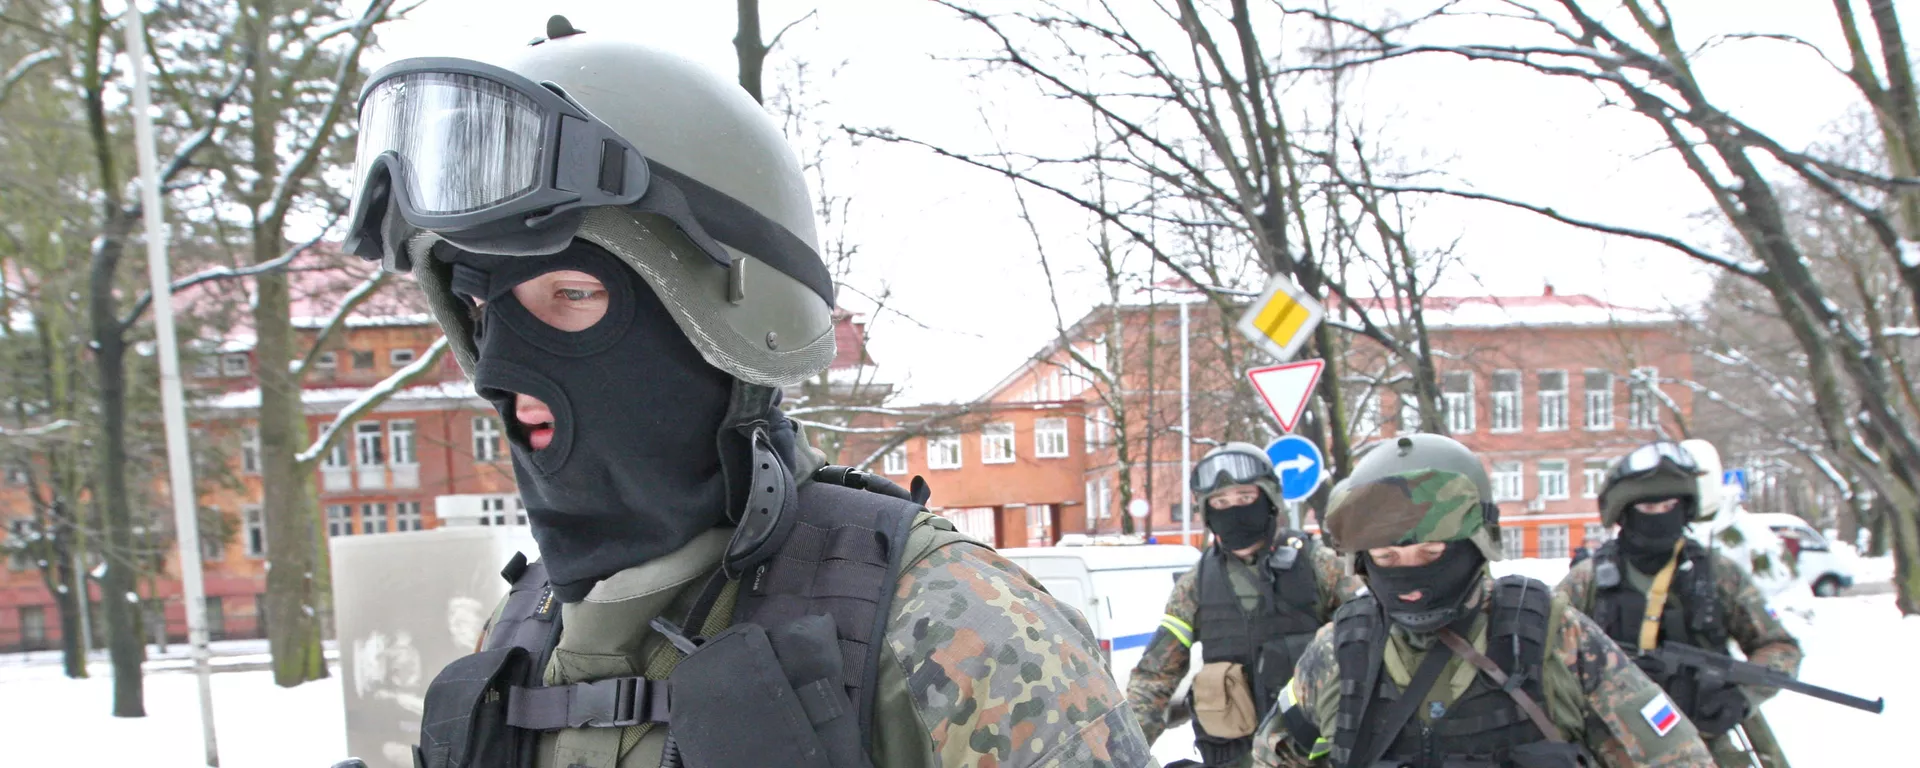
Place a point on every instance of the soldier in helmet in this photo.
(1442, 665)
(1652, 494)
(621, 249)
(1254, 602)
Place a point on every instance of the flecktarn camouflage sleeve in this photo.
(1337, 585)
(1753, 625)
(1313, 698)
(1001, 674)
(1166, 659)
(1630, 722)
(1577, 588)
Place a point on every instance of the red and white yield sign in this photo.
(1286, 388)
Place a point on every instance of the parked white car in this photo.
(1825, 567)
(1122, 590)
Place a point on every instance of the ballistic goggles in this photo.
(495, 163)
(1228, 468)
(1651, 458)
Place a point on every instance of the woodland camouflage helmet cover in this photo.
(1657, 470)
(1411, 490)
(1234, 464)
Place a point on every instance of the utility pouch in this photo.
(464, 723)
(1548, 754)
(1223, 701)
(787, 684)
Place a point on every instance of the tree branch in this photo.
(289, 181)
(22, 68)
(369, 400)
(338, 319)
(219, 273)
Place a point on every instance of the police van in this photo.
(1122, 590)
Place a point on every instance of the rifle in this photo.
(1723, 668)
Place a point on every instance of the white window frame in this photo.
(1554, 541)
(894, 462)
(326, 361)
(1106, 500)
(1459, 404)
(1553, 479)
(212, 550)
(997, 443)
(1509, 406)
(1593, 475)
(1050, 438)
(1409, 417)
(1593, 535)
(1513, 543)
(943, 452)
(402, 357)
(403, 443)
(1099, 428)
(1643, 408)
(369, 447)
(1040, 521)
(407, 517)
(1553, 403)
(1509, 481)
(234, 364)
(488, 439)
(250, 450)
(339, 520)
(1598, 415)
(373, 517)
(253, 531)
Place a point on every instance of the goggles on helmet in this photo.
(493, 162)
(1651, 458)
(1228, 468)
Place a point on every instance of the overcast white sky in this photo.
(945, 239)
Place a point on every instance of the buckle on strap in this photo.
(615, 703)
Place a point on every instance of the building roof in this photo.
(247, 399)
(1549, 309)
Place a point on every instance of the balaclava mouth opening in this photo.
(633, 471)
(1444, 586)
(1646, 540)
(1245, 525)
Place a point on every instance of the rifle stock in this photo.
(1739, 672)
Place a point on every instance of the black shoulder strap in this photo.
(841, 559)
(1380, 736)
(1356, 626)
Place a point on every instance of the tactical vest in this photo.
(1699, 620)
(1266, 642)
(789, 682)
(1483, 726)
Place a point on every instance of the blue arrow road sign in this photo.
(1297, 462)
(1736, 478)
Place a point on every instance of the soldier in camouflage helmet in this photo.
(621, 249)
(1254, 602)
(1442, 665)
(1652, 494)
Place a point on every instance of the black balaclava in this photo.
(633, 472)
(1445, 585)
(1647, 540)
(1245, 525)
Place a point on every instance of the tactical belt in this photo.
(612, 703)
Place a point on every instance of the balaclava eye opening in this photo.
(1444, 586)
(633, 471)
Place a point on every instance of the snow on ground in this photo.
(1860, 645)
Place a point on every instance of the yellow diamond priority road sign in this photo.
(1281, 319)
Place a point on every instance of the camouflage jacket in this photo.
(1594, 694)
(1749, 622)
(983, 667)
(1168, 655)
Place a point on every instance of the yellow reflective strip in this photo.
(1320, 749)
(1180, 629)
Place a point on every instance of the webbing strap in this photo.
(1510, 685)
(1657, 599)
(1396, 716)
(613, 703)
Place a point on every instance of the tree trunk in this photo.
(752, 51)
(293, 605)
(124, 643)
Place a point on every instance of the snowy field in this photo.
(1856, 644)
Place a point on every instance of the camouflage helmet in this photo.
(1657, 470)
(1410, 490)
(1234, 464)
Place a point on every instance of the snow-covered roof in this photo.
(1548, 310)
(365, 321)
(245, 399)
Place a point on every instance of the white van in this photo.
(1122, 590)
(1824, 567)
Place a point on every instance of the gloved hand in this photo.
(1719, 711)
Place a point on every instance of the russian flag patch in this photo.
(1660, 714)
